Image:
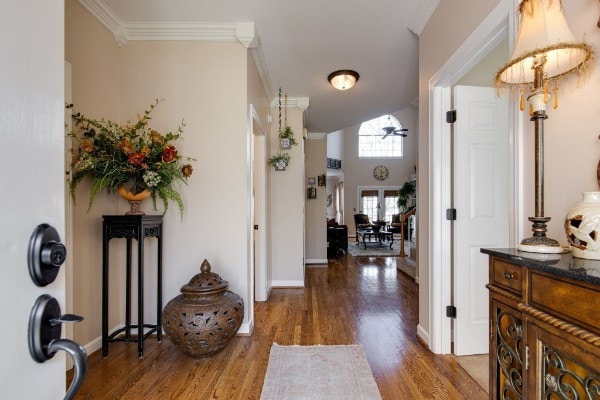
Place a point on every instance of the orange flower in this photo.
(169, 154)
(136, 159)
(126, 146)
(156, 137)
(187, 170)
(145, 150)
(87, 146)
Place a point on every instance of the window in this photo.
(371, 142)
(371, 199)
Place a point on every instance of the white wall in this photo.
(359, 172)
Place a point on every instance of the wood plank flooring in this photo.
(351, 301)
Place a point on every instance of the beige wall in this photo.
(571, 141)
(94, 57)
(359, 172)
(207, 85)
(316, 232)
(286, 208)
(483, 73)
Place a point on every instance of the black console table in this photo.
(129, 227)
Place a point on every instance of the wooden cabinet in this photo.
(544, 326)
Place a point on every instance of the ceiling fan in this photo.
(392, 130)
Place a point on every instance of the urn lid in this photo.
(205, 282)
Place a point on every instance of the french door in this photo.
(379, 203)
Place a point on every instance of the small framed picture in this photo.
(311, 193)
(311, 181)
(322, 180)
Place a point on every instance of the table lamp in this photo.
(545, 54)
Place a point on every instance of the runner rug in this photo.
(317, 373)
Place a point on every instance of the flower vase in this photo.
(582, 226)
(134, 200)
(280, 165)
(285, 143)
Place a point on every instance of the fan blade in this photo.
(386, 135)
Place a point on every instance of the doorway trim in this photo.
(500, 22)
(257, 279)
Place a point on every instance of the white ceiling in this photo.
(304, 41)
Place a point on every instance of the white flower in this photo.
(151, 179)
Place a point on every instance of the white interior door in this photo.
(481, 199)
(32, 178)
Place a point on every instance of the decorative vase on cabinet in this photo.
(582, 226)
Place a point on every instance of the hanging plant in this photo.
(280, 161)
(286, 135)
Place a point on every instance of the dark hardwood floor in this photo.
(351, 301)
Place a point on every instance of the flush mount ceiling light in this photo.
(343, 79)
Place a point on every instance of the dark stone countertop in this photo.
(558, 264)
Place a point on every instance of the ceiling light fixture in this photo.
(343, 79)
(545, 53)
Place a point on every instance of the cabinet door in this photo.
(566, 367)
(506, 352)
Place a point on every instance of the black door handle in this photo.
(44, 340)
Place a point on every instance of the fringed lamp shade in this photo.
(545, 53)
(544, 37)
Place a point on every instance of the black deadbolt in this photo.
(45, 255)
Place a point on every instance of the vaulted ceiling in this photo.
(301, 42)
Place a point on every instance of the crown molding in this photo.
(316, 135)
(242, 32)
(421, 15)
(299, 102)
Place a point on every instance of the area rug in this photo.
(478, 367)
(317, 373)
(374, 249)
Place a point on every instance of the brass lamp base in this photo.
(539, 243)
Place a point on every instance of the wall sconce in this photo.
(343, 79)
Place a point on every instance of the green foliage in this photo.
(287, 133)
(111, 155)
(275, 159)
(404, 194)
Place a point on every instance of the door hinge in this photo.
(450, 311)
(451, 116)
(526, 357)
(451, 214)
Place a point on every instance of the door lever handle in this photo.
(44, 340)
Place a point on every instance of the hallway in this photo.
(351, 301)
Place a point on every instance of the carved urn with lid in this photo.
(206, 316)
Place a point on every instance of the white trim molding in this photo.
(316, 135)
(287, 284)
(499, 24)
(300, 102)
(242, 32)
(421, 15)
(316, 261)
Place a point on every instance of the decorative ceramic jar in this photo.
(582, 225)
(206, 316)
(285, 143)
(280, 165)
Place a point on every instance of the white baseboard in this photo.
(423, 334)
(286, 284)
(316, 261)
(246, 329)
(96, 343)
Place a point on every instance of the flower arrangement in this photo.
(134, 155)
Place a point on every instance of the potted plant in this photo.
(280, 161)
(404, 194)
(132, 159)
(286, 138)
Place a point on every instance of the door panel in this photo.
(481, 200)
